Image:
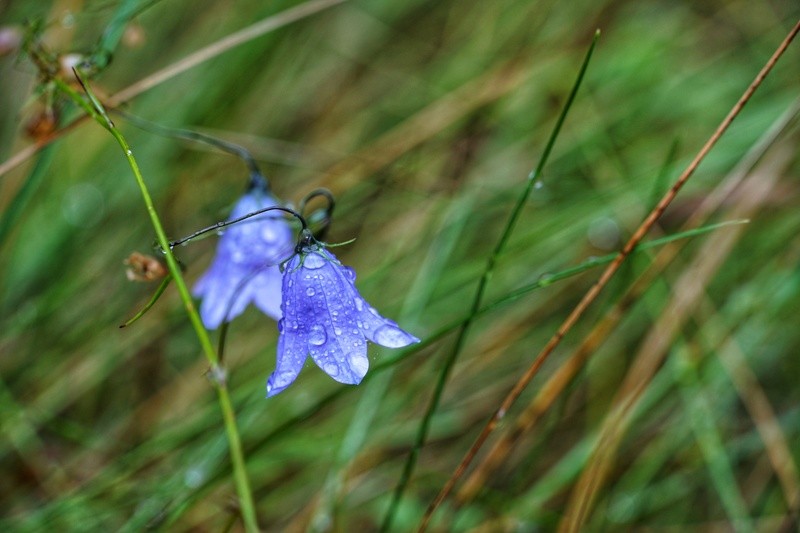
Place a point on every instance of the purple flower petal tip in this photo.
(324, 316)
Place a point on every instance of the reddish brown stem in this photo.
(605, 277)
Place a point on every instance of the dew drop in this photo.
(360, 324)
(359, 304)
(331, 369)
(310, 291)
(317, 335)
(359, 364)
(313, 261)
(350, 273)
(268, 235)
(337, 330)
(392, 337)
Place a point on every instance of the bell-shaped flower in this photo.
(246, 266)
(325, 316)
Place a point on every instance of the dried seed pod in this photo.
(144, 268)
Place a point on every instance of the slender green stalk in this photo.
(156, 295)
(97, 112)
(450, 361)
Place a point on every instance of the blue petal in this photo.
(259, 241)
(266, 290)
(246, 263)
(217, 288)
(335, 342)
(293, 339)
(376, 328)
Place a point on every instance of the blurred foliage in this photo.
(424, 118)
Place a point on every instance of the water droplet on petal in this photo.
(331, 369)
(338, 331)
(392, 337)
(310, 291)
(317, 335)
(359, 304)
(359, 364)
(313, 261)
(349, 273)
(268, 234)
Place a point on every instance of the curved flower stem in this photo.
(226, 146)
(95, 109)
(225, 223)
(449, 362)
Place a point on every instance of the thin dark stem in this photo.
(452, 357)
(226, 146)
(326, 221)
(223, 224)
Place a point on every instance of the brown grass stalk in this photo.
(688, 292)
(605, 277)
(555, 385)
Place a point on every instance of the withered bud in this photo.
(144, 268)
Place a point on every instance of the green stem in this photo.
(95, 109)
(450, 361)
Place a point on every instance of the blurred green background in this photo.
(424, 119)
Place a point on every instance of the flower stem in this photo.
(95, 109)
